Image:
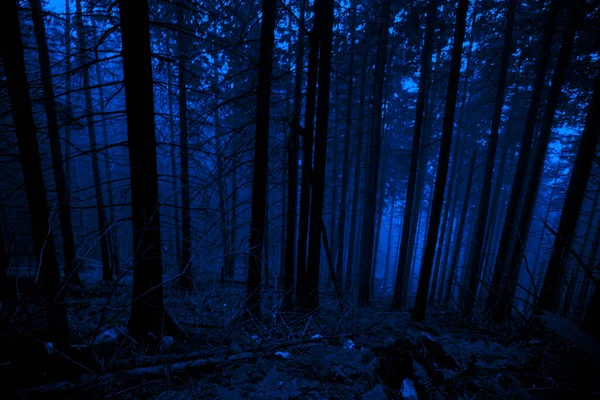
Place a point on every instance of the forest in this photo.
(299, 199)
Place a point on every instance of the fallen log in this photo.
(86, 380)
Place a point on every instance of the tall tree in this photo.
(501, 307)
(147, 310)
(341, 230)
(403, 269)
(420, 307)
(82, 34)
(586, 153)
(261, 149)
(325, 31)
(459, 235)
(11, 51)
(293, 152)
(374, 148)
(64, 207)
(186, 224)
(510, 220)
(474, 271)
(307, 145)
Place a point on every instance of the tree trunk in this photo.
(174, 179)
(147, 310)
(185, 279)
(307, 148)
(502, 309)
(64, 208)
(107, 272)
(325, 31)
(11, 50)
(261, 150)
(510, 220)
(68, 108)
(374, 148)
(388, 254)
(293, 152)
(586, 152)
(461, 228)
(356, 179)
(419, 310)
(112, 233)
(403, 269)
(474, 266)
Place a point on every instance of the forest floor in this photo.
(337, 353)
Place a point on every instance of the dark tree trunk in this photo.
(592, 315)
(292, 184)
(68, 88)
(419, 310)
(374, 148)
(112, 233)
(510, 220)
(325, 8)
(147, 310)
(64, 208)
(461, 228)
(583, 294)
(307, 149)
(11, 50)
(185, 280)
(474, 266)
(502, 309)
(586, 152)
(388, 253)
(347, 136)
(107, 272)
(261, 150)
(174, 178)
(356, 179)
(403, 269)
(4, 263)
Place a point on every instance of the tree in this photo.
(64, 207)
(474, 271)
(510, 220)
(147, 310)
(107, 272)
(261, 148)
(341, 230)
(586, 153)
(501, 308)
(403, 269)
(325, 31)
(11, 50)
(374, 149)
(307, 145)
(293, 151)
(420, 307)
(186, 224)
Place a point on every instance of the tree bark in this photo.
(147, 310)
(356, 180)
(461, 228)
(11, 50)
(307, 149)
(64, 207)
(474, 266)
(107, 272)
(403, 269)
(510, 220)
(261, 150)
(185, 280)
(419, 310)
(325, 30)
(586, 152)
(374, 148)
